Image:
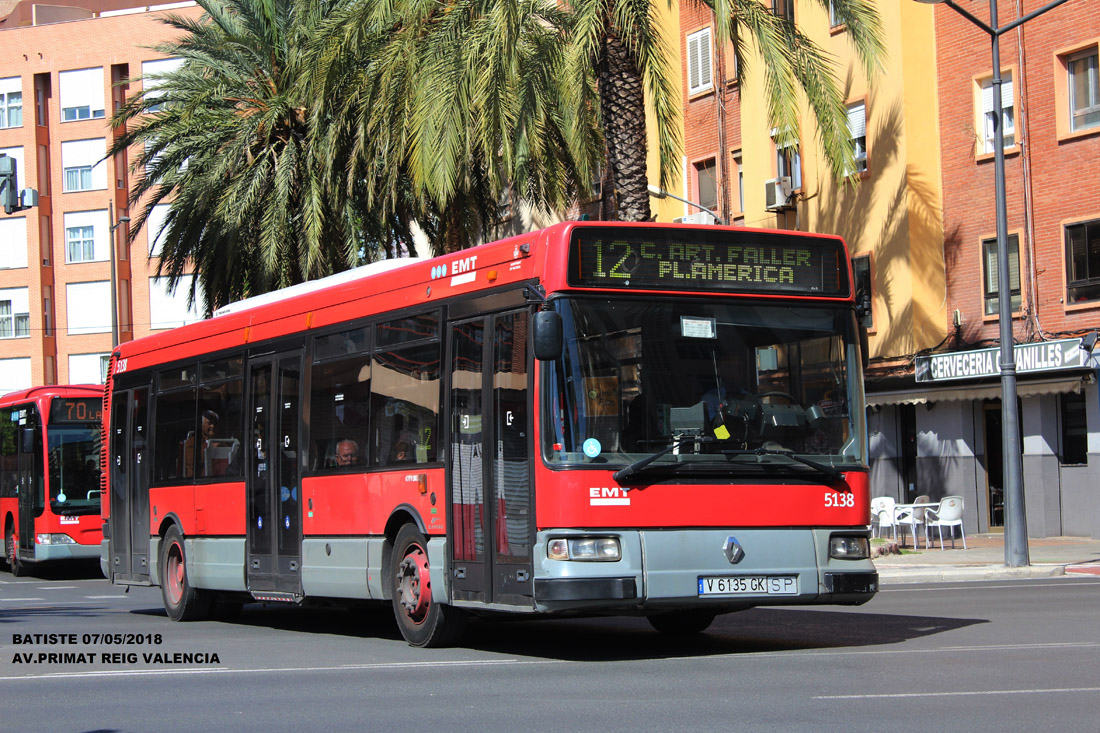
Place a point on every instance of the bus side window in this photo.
(340, 411)
(405, 404)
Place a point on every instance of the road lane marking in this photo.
(20, 600)
(970, 586)
(57, 587)
(955, 693)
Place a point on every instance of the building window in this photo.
(155, 228)
(15, 374)
(13, 242)
(784, 9)
(861, 268)
(857, 131)
(1084, 90)
(88, 307)
(700, 76)
(83, 165)
(152, 76)
(81, 94)
(989, 249)
(15, 318)
(88, 368)
(170, 309)
(11, 102)
(706, 184)
(1083, 261)
(80, 244)
(735, 157)
(834, 22)
(1008, 115)
(1075, 430)
(788, 163)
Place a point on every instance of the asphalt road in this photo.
(960, 656)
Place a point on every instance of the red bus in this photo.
(594, 418)
(49, 474)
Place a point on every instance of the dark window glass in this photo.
(9, 431)
(864, 294)
(339, 413)
(175, 426)
(405, 330)
(173, 378)
(706, 175)
(224, 369)
(405, 405)
(989, 247)
(1083, 261)
(221, 430)
(1075, 433)
(355, 341)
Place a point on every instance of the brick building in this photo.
(60, 69)
(920, 224)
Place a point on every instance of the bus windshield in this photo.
(74, 469)
(721, 387)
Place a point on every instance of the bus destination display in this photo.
(75, 410)
(672, 260)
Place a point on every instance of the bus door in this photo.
(29, 478)
(491, 496)
(129, 496)
(273, 471)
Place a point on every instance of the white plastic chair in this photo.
(882, 515)
(912, 518)
(948, 514)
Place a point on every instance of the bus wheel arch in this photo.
(182, 601)
(422, 621)
(401, 516)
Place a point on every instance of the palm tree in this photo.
(225, 140)
(463, 99)
(620, 39)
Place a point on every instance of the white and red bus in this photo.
(50, 474)
(595, 418)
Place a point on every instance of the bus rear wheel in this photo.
(682, 623)
(181, 600)
(421, 620)
(11, 552)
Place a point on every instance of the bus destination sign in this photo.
(65, 410)
(668, 259)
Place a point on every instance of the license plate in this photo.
(749, 585)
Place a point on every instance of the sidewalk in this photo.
(984, 560)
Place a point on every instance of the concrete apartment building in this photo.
(60, 69)
(921, 227)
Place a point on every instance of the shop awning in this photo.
(989, 391)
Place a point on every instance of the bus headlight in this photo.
(591, 549)
(849, 548)
(55, 539)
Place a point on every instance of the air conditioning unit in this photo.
(701, 217)
(777, 194)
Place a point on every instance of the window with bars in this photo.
(13, 325)
(80, 244)
(1083, 261)
(857, 131)
(1008, 114)
(1084, 90)
(992, 287)
(700, 73)
(783, 9)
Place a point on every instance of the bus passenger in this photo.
(347, 453)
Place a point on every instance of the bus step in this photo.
(276, 596)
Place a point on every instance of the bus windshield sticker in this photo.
(592, 447)
(698, 328)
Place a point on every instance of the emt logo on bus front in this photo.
(608, 496)
(669, 259)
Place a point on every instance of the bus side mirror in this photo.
(864, 346)
(547, 335)
(27, 438)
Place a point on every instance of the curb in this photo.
(900, 575)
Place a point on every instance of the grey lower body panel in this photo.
(665, 570)
(58, 553)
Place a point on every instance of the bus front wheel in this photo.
(181, 600)
(11, 551)
(422, 621)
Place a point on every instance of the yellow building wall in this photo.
(894, 212)
(667, 209)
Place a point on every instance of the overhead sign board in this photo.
(1044, 356)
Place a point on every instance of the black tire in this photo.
(11, 552)
(682, 623)
(421, 620)
(181, 601)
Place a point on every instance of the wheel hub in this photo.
(414, 585)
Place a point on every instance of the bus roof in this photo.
(52, 390)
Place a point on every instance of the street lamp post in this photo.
(114, 277)
(659, 193)
(1016, 551)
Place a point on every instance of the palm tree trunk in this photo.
(622, 106)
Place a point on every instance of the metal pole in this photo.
(114, 277)
(1016, 550)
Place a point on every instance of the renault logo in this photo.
(733, 550)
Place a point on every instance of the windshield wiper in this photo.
(829, 471)
(624, 473)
